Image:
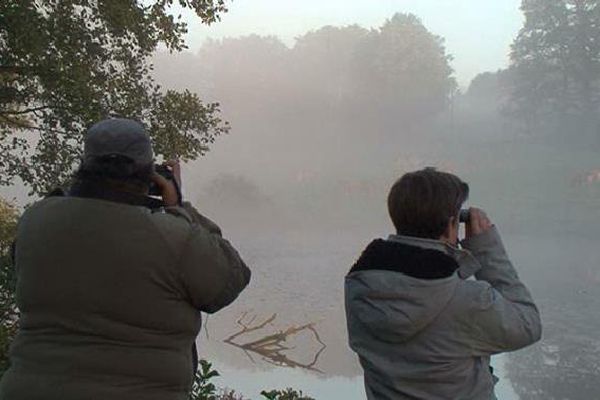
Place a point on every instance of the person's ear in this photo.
(451, 229)
(454, 221)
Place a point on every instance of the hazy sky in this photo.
(478, 32)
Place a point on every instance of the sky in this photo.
(478, 33)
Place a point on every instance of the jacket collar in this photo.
(101, 191)
(409, 260)
(468, 264)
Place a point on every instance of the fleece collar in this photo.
(413, 261)
(417, 257)
(468, 264)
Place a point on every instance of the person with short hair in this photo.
(111, 282)
(421, 326)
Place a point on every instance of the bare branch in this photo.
(246, 329)
(11, 69)
(25, 111)
(14, 122)
(271, 348)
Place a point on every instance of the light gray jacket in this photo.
(432, 339)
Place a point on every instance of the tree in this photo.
(486, 95)
(406, 70)
(67, 64)
(8, 309)
(556, 63)
(585, 55)
(325, 60)
(242, 70)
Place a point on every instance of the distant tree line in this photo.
(399, 73)
(553, 82)
(556, 61)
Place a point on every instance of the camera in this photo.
(464, 216)
(166, 173)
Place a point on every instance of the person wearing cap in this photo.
(421, 326)
(111, 282)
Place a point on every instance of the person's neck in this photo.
(120, 186)
(445, 239)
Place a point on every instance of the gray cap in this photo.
(118, 136)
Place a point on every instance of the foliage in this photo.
(409, 69)
(556, 63)
(8, 310)
(237, 69)
(226, 394)
(325, 61)
(202, 387)
(287, 394)
(67, 64)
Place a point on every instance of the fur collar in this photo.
(413, 261)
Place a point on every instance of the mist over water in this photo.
(300, 187)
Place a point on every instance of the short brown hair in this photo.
(421, 203)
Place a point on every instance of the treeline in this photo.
(399, 72)
(552, 85)
(399, 75)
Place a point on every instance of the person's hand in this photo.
(176, 169)
(167, 188)
(478, 223)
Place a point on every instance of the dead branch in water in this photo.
(272, 347)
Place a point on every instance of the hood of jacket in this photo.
(398, 287)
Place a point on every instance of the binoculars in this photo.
(464, 216)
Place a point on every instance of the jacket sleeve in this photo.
(213, 272)
(503, 315)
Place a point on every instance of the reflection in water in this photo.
(566, 364)
(272, 348)
(504, 388)
(300, 278)
(251, 383)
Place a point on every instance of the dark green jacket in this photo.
(110, 296)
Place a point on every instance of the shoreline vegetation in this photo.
(204, 389)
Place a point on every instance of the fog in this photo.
(321, 128)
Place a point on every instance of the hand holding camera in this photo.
(167, 183)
